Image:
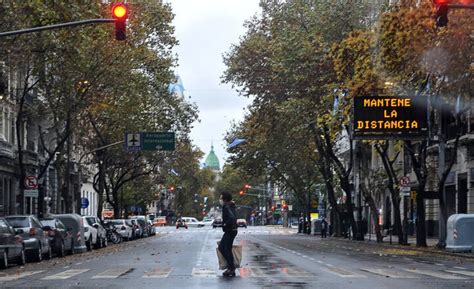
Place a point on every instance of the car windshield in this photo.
(117, 222)
(18, 222)
(90, 221)
(50, 223)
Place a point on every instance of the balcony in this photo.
(6, 149)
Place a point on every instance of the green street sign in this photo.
(161, 141)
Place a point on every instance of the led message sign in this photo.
(382, 117)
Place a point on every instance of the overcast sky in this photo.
(205, 30)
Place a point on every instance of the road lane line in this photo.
(437, 274)
(66, 274)
(112, 273)
(389, 273)
(20, 275)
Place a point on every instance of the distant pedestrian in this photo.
(229, 226)
(301, 223)
(324, 228)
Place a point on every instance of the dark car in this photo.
(36, 240)
(142, 222)
(60, 238)
(12, 248)
(217, 223)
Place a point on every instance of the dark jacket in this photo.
(229, 219)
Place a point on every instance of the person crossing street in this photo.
(229, 227)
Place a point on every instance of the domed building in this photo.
(212, 161)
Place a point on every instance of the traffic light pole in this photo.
(55, 26)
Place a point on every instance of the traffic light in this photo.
(241, 193)
(120, 14)
(246, 186)
(172, 189)
(441, 12)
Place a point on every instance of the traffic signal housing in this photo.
(242, 193)
(120, 14)
(442, 10)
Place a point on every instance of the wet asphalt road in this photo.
(272, 258)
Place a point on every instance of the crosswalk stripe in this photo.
(437, 274)
(19, 275)
(342, 273)
(158, 273)
(460, 272)
(389, 273)
(203, 272)
(65, 274)
(112, 273)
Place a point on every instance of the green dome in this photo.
(212, 161)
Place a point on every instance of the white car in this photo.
(94, 233)
(193, 222)
(207, 221)
(124, 228)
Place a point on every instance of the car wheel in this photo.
(39, 254)
(49, 254)
(72, 248)
(4, 261)
(22, 258)
(61, 252)
(89, 245)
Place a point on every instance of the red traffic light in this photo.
(120, 11)
(246, 186)
(241, 193)
(172, 188)
(120, 14)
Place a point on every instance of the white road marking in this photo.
(342, 273)
(203, 272)
(466, 273)
(66, 274)
(112, 273)
(18, 276)
(461, 268)
(158, 273)
(389, 273)
(437, 274)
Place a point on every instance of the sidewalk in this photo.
(401, 249)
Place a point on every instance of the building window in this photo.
(12, 132)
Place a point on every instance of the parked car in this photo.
(12, 248)
(208, 221)
(142, 221)
(75, 224)
(193, 222)
(180, 223)
(241, 223)
(160, 221)
(36, 240)
(95, 234)
(124, 228)
(151, 227)
(60, 237)
(137, 229)
(217, 223)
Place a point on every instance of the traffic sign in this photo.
(84, 203)
(31, 193)
(133, 142)
(162, 141)
(31, 183)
